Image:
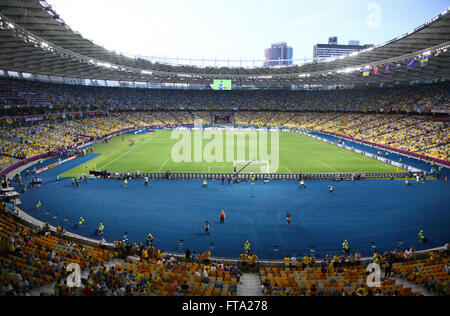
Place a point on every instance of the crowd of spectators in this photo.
(346, 275)
(418, 134)
(341, 111)
(31, 258)
(422, 97)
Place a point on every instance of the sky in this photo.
(239, 29)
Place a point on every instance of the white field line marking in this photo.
(360, 157)
(134, 148)
(288, 169)
(327, 166)
(344, 151)
(163, 164)
(228, 168)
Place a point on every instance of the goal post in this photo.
(252, 166)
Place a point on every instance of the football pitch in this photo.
(164, 150)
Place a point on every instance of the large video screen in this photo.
(220, 84)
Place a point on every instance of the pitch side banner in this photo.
(56, 164)
(32, 119)
(361, 152)
(47, 168)
(69, 159)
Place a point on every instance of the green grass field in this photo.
(152, 153)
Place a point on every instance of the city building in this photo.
(333, 49)
(280, 54)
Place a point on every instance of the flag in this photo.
(366, 72)
(410, 64)
(376, 70)
(424, 60)
(387, 68)
(398, 66)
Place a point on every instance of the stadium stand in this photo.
(31, 258)
(418, 133)
(40, 117)
(417, 98)
(432, 272)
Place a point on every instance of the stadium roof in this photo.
(34, 39)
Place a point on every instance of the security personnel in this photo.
(252, 262)
(222, 217)
(205, 183)
(377, 258)
(25, 189)
(345, 246)
(100, 229)
(305, 261)
(146, 180)
(38, 205)
(422, 237)
(287, 261)
(207, 256)
(247, 247)
(80, 222)
(125, 182)
(302, 184)
(206, 228)
(150, 239)
(244, 263)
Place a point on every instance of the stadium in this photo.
(126, 176)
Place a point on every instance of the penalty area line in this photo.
(163, 164)
(327, 166)
(134, 148)
(288, 170)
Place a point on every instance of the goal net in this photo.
(252, 166)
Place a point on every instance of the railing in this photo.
(231, 63)
(250, 177)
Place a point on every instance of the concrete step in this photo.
(249, 285)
